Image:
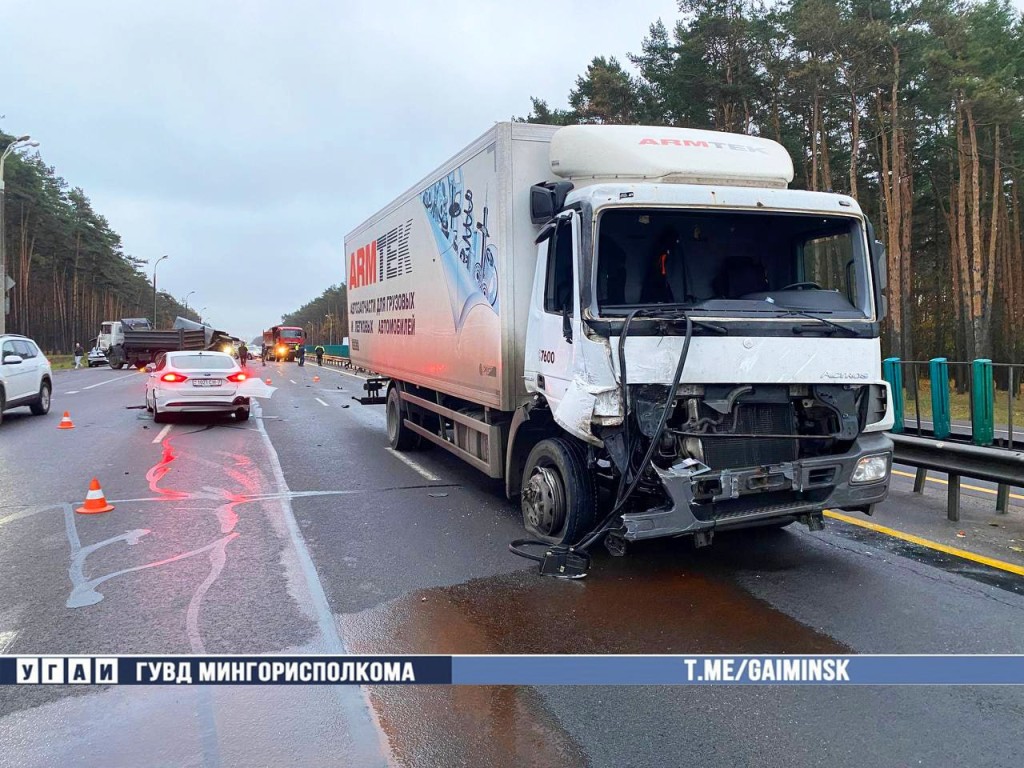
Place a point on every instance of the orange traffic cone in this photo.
(65, 422)
(316, 379)
(95, 501)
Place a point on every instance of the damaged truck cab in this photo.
(686, 345)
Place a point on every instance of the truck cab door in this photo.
(554, 310)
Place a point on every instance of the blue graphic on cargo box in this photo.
(459, 223)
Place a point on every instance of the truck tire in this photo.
(115, 359)
(558, 497)
(400, 436)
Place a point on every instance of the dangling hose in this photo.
(622, 496)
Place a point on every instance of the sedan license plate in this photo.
(207, 382)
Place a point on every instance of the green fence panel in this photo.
(335, 350)
(938, 373)
(892, 372)
(982, 403)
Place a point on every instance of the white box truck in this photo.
(641, 329)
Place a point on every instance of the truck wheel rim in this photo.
(392, 419)
(544, 501)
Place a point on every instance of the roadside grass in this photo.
(60, 362)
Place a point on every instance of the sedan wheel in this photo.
(158, 417)
(41, 406)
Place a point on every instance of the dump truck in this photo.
(642, 330)
(282, 342)
(134, 342)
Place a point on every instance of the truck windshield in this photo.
(291, 333)
(732, 262)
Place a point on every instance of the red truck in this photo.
(282, 341)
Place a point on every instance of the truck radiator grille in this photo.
(723, 452)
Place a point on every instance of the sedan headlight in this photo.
(871, 469)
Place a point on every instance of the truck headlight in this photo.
(871, 469)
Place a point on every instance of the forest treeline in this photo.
(913, 107)
(69, 267)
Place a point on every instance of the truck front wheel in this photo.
(400, 436)
(558, 497)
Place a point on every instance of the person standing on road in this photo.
(300, 354)
(263, 355)
(319, 354)
(79, 351)
(243, 356)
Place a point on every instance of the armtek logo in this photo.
(362, 266)
(382, 259)
(704, 145)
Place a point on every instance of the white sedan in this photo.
(196, 382)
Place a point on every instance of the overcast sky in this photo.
(244, 138)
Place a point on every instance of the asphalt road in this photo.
(299, 531)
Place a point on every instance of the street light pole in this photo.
(186, 301)
(201, 311)
(330, 328)
(155, 323)
(21, 141)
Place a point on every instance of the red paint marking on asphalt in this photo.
(161, 468)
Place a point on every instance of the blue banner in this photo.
(781, 669)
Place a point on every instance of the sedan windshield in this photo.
(202, 363)
(733, 262)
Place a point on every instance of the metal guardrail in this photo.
(996, 465)
(336, 361)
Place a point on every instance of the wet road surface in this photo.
(301, 532)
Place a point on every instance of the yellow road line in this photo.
(962, 485)
(989, 561)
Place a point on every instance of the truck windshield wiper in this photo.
(679, 314)
(819, 319)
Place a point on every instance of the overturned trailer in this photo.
(647, 310)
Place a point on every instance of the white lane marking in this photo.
(325, 405)
(72, 392)
(365, 730)
(292, 380)
(163, 433)
(117, 378)
(425, 472)
(343, 373)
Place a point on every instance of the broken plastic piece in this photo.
(565, 564)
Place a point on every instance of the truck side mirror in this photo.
(547, 199)
(542, 204)
(880, 268)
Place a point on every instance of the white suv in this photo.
(25, 376)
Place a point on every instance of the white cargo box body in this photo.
(439, 282)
